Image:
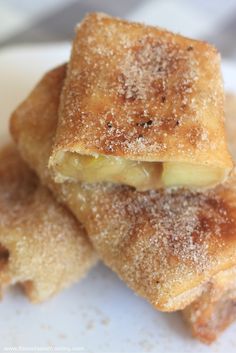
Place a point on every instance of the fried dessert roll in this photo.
(166, 245)
(42, 246)
(141, 106)
(215, 309)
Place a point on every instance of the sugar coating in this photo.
(142, 93)
(215, 309)
(42, 246)
(166, 245)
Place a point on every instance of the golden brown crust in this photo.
(164, 244)
(215, 309)
(44, 99)
(142, 93)
(42, 246)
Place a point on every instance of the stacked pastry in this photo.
(130, 136)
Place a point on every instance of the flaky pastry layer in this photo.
(143, 106)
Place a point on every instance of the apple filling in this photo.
(139, 174)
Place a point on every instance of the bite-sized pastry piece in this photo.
(141, 106)
(166, 245)
(42, 246)
(215, 309)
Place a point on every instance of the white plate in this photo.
(100, 314)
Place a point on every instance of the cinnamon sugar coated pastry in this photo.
(166, 245)
(215, 309)
(42, 246)
(141, 106)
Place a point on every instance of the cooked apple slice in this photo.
(92, 169)
(190, 175)
(141, 175)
